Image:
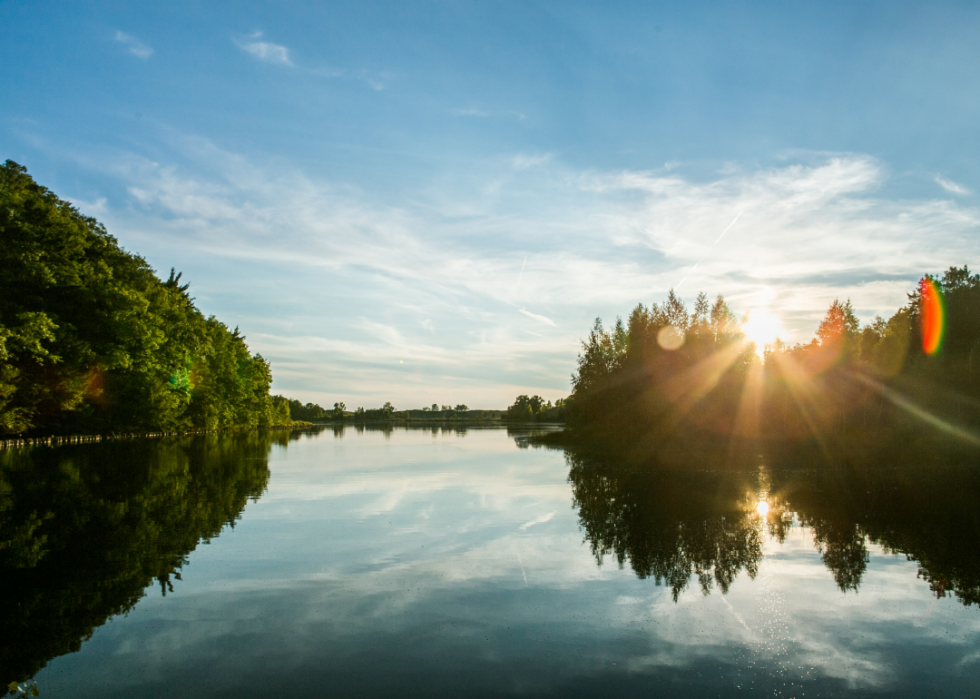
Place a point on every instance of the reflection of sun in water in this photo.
(762, 508)
(762, 328)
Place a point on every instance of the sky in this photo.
(431, 202)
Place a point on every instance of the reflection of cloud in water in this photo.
(433, 627)
(539, 520)
(321, 585)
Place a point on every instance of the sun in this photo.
(762, 328)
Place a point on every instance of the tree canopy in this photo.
(669, 376)
(91, 340)
(535, 409)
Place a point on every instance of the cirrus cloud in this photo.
(264, 50)
(414, 299)
(134, 46)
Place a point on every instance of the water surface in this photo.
(447, 562)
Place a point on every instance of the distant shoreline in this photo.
(432, 421)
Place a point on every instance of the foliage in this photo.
(91, 340)
(384, 413)
(297, 411)
(28, 689)
(679, 379)
(637, 382)
(875, 387)
(388, 412)
(536, 409)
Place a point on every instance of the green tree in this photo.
(91, 340)
(839, 327)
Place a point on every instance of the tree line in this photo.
(300, 412)
(670, 377)
(536, 409)
(312, 412)
(91, 340)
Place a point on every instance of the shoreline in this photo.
(61, 440)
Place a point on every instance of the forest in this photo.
(673, 379)
(92, 341)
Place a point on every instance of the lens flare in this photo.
(762, 508)
(931, 316)
(670, 338)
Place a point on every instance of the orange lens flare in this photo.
(931, 316)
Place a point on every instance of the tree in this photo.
(894, 382)
(527, 408)
(91, 340)
(839, 326)
(674, 312)
(598, 359)
(871, 338)
(723, 321)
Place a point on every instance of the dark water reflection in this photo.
(84, 529)
(674, 525)
(460, 561)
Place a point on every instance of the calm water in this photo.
(442, 563)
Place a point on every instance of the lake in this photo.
(463, 562)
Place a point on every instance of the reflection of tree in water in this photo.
(523, 435)
(671, 525)
(843, 549)
(84, 530)
(675, 524)
(387, 429)
(929, 514)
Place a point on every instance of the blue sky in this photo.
(430, 201)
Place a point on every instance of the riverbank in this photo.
(719, 451)
(58, 440)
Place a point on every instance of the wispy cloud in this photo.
(265, 50)
(281, 55)
(538, 520)
(540, 319)
(477, 112)
(134, 46)
(951, 186)
(523, 161)
(375, 82)
(441, 301)
(471, 111)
